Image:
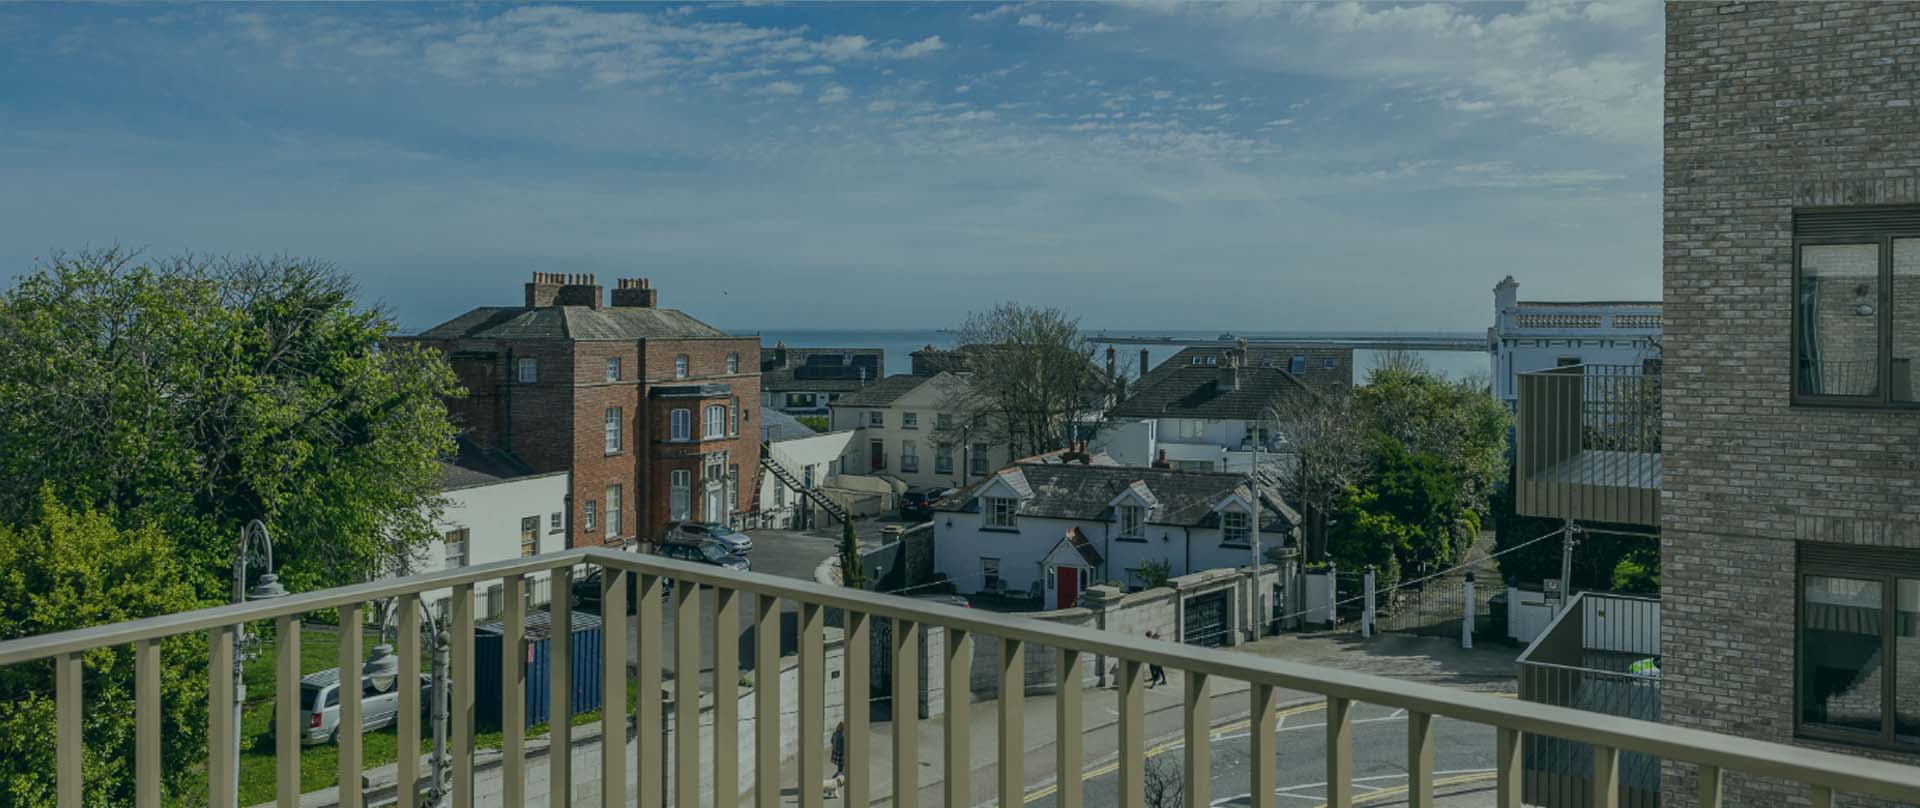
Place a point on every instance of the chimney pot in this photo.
(635, 293)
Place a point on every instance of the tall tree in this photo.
(1033, 373)
(852, 574)
(1329, 454)
(194, 395)
(64, 569)
(1458, 421)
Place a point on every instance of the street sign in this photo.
(1552, 589)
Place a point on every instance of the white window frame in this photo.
(909, 456)
(613, 368)
(456, 549)
(943, 458)
(556, 522)
(681, 498)
(1244, 529)
(680, 424)
(876, 418)
(529, 536)
(943, 421)
(528, 370)
(909, 420)
(733, 415)
(681, 366)
(1192, 428)
(713, 424)
(1001, 513)
(1133, 522)
(733, 363)
(613, 510)
(590, 515)
(987, 579)
(979, 459)
(613, 431)
(733, 486)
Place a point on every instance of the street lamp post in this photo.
(255, 533)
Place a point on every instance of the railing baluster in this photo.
(461, 672)
(650, 781)
(351, 714)
(1068, 757)
(1199, 769)
(220, 718)
(1419, 760)
(766, 702)
(1132, 693)
(407, 642)
(68, 700)
(1606, 776)
(726, 698)
(813, 703)
(513, 692)
(146, 720)
(290, 722)
(1339, 752)
(959, 671)
(613, 687)
(686, 695)
(906, 713)
(1710, 782)
(1013, 730)
(1822, 797)
(1506, 762)
(1262, 736)
(858, 703)
(560, 689)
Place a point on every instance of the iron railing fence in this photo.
(1822, 773)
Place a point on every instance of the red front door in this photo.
(1067, 583)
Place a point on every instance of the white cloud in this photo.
(844, 47)
(1277, 122)
(882, 105)
(915, 50)
(834, 94)
(814, 70)
(1212, 107)
(996, 12)
(1074, 28)
(779, 88)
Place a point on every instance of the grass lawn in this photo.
(320, 765)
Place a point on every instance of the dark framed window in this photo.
(1856, 306)
(1858, 640)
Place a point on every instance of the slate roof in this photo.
(1080, 545)
(1194, 391)
(473, 464)
(573, 322)
(820, 370)
(1081, 493)
(884, 392)
(1272, 356)
(787, 426)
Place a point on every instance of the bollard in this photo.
(1333, 594)
(1467, 614)
(1367, 613)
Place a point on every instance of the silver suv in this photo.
(320, 703)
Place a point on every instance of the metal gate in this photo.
(1435, 607)
(880, 671)
(1206, 621)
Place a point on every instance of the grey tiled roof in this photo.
(473, 464)
(883, 392)
(1195, 391)
(775, 424)
(1081, 492)
(1273, 356)
(573, 322)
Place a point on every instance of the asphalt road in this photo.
(1463, 760)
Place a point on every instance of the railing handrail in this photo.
(1812, 766)
(1583, 367)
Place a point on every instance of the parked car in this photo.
(734, 541)
(320, 703)
(704, 552)
(586, 591)
(917, 504)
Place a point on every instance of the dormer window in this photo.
(1000, 511)
(1133, 522)
(1236, 527)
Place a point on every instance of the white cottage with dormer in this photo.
(1048, 529)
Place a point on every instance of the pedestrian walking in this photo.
(839, 749)
(1156, 675)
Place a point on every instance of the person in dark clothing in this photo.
(1156, 675)
(839, 749)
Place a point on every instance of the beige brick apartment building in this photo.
(1791, 504)
(653, 411)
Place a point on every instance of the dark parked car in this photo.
(706, 552)
(917, 504)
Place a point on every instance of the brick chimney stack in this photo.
(578, 289)
(1230, 369)
(637, 293)
(544, 288)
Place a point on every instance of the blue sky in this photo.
(1159, 165)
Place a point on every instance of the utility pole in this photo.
(1253, 493)
(1567, 533)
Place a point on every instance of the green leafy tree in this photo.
(1362, 533)
(852, 575)
(1458, 421)
(1032, 374)
(64, 569)
(1156, 573)
(817, 423)
(193, 395)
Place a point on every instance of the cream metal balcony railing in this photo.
(1824, 774)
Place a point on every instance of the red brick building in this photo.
(653, 411)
